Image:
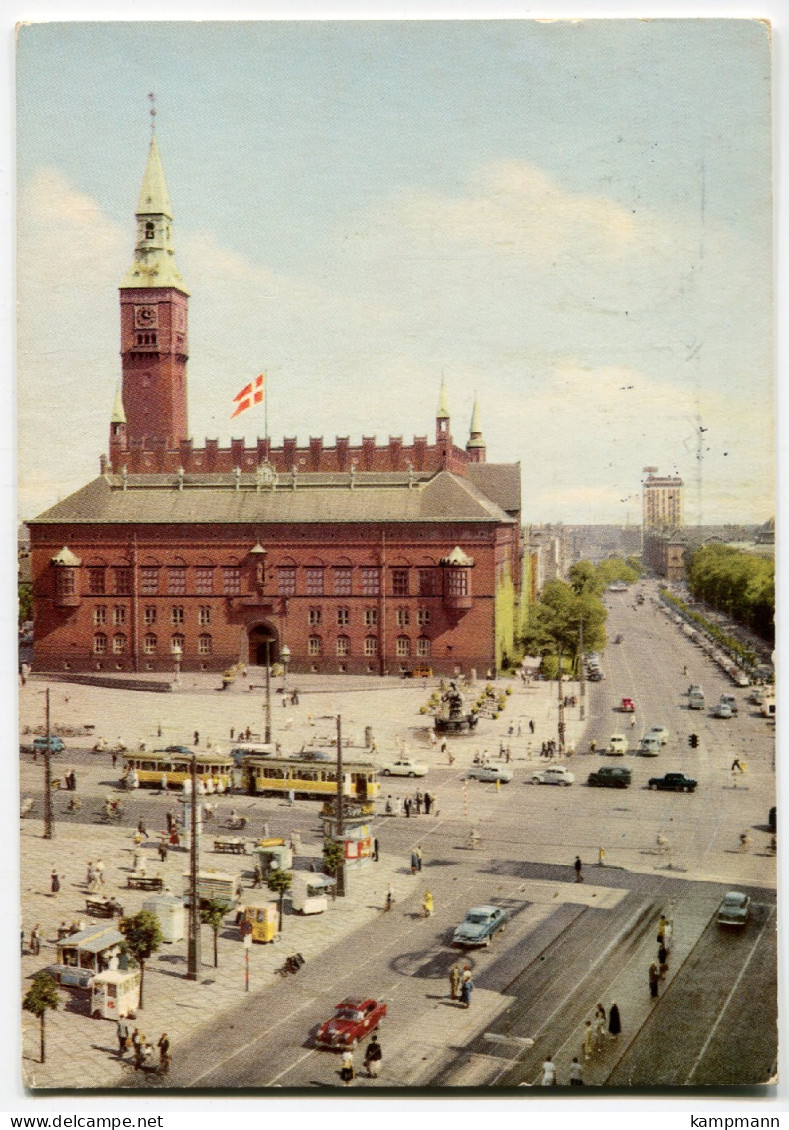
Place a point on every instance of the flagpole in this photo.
(265, 403)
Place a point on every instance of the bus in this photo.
(309, 778)
(177, 768)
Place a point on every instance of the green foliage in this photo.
(333, 855)
(40, 997)
(279, 881)
(550, 666)
(729, 643)
(143, 936)
(212, 913)
(617, 569)
(738, 584)
(25, 603)
(504, 611)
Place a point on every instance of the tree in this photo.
(212, 913)
(279, 881)
(25, 604)
(143, 936)
(333, 856)
(41, 996)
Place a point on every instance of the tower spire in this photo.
(442, 412)
(476, 446)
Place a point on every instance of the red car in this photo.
(354, 1018)
(628, 706)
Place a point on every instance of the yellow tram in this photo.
(309, 778)
(151, 768)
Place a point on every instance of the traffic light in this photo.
(693, 740)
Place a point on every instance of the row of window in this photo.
(343, 646)
(172, 581)
(150, 644)
(343, 617)
(149, 615)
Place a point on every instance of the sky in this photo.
(570, 220)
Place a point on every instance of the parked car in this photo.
(553, 775)
(490, 773)
(659, 732)
(56, 744)
(596, 675)
(611, 776)
(354, 1018)
(479, 926)
(627, 706)
(673, 782)
(404, 767)
(650, 745)
(735, 910)
(617, 745)
(721, 711)
(178, 749)
(730, 701)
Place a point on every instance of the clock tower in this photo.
(154, 308)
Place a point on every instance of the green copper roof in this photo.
(442, 412)
(118, 414)
(154, 197)
(475, 431)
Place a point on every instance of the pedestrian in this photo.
(654, 979)
(162, 849)
(576, 1073)
(122, 1030)
(388, 809)
(531, 725)
(418, 854)
(373, 1057)
(662, 957)
(614, 1022)
(407, 806)
(346, 1071)
(35, 940)
(197, 737)
(414, 863)
(137, 1041)
(247, 733)
(389, 897)
(454, 981)
(588, 1045)
(232, 732)
(141, 828)
(114, 759)
(736, 766)
(164, 1053)
(428, 803)
(548, 1073)
(170, 820)
(601, 857)
(257, 876)
(418, 802)
(375, 850)
(577, 866)
(427, 905)
(599, 1026)
(54, 884)
(668, 931)
(466, 987)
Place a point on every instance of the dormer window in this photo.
(150, 229)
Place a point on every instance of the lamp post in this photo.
(49, 820)
(561, 706)
(582, 671)
(178, 654)
(284, 654)
(193, 956)
(267, 735)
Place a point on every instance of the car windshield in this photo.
(348, 1014)
(478, 919)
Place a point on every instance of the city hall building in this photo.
(376, 558)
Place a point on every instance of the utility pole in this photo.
(267, 735)
(340, 834)
(561, 707)
(582, 689)
(49, 822)
(193, 959)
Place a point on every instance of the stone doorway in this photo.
(263, 645)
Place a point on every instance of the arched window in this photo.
(118, 643)
(204, 644)
(99, 643)
(403, 647)
(177, 643)
(343, 645)
(150, 229)
(149, 643)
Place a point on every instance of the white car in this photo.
(490, 773)
(553, 775)
(659, 732)
(617, 745)
(404, 767)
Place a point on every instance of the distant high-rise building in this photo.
(662, 503)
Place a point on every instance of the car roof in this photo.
(482, 910)
(737, 896)
(356, 1003)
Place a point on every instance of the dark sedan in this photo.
(611, 776)
(673, 782)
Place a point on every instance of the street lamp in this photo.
(178, 654)
(267, 735)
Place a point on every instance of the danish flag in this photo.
(249, 395)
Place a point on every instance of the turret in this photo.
(443, 434)
(476, 447)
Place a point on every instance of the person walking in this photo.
(141, 829)
(389, 897)
(197, 737)
(162, 849)
(588, 1046)
(427, 905)
(54, 882)
(418, 802)
(428, 803)
(373, 1057)
(531, 725)
(662, 957)
(614, 1022)
(599, 1026)
(466, 987)
(122, 1031)
(407, 806)
(35, 940)
(577, 867)
(654, 979)
(346, 1071)
(414, 862)
(164, 1053)
(454, 982)
(548, 1078)
(576, 1073)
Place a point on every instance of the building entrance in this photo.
(263, 645)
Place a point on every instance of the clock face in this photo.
(145, 317)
